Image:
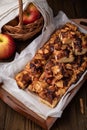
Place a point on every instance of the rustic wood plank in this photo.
(14, 121)
(3, 112)
(73, 8)
(78, 22)
(29, 125)
(68, 8)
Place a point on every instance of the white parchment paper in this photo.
(8, 71)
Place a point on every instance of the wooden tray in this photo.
(19, 107)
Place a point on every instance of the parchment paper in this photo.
(8, 71)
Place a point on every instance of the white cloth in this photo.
(9, 9)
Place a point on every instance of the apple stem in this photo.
(20, 14)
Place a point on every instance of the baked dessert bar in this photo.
(33, 69)
(56, 66)
(57, 78)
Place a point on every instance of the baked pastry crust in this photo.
(56, 66)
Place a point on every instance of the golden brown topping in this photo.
(57, 65)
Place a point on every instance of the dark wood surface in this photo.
(74, 116)
(72, 8)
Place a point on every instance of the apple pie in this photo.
(56, 66)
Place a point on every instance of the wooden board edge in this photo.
(26, 112)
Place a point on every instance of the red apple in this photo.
(7, 46)
(31, 14)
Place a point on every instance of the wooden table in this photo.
(74, 116)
